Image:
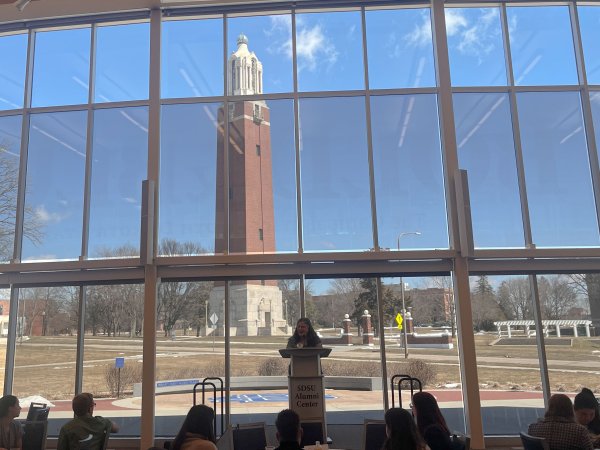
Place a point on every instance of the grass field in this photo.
(46, 365)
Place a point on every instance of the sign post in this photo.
(119, 364)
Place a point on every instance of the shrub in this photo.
(273, 366)
(124, 381)
(425, 372)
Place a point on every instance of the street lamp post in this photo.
(404, 321)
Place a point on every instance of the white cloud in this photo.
(48, 217)
(420, 35)
(454, 22)
(129, 200)
(314, 49)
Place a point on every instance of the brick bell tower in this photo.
(256, 307)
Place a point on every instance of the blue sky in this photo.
(336, 201)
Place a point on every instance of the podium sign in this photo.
(305, 383)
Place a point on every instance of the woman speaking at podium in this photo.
(304, 336)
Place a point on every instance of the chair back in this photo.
(37, 411)
(311, 433)
(373, 434)
(249, 436)
(533, 442)
(34, 435)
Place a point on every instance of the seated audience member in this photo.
(197, 431)
(85, 427)
(431, 423)
(587, 413)
(401, 431)
(10, 431)
(559, 428)
(289, 431)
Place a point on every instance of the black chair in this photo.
(533, 443)
(37, 412)
(34, 435)
(373, 434)
(249, 436)
(311, 433)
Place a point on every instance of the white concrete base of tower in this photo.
(255, 310)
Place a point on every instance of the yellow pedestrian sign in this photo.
(399, 320)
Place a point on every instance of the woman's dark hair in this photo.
(560, 406)
(6, 402)
(428, 412)
(312, 340)
(199, 420)
(403, 432)
(587, 400)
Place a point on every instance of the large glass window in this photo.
(188, 180)
(557, 172)
(409, 182)
(10, 149)
(589, 16)
(503, 323)
(122, 60)
(119, 151)
(329, 51)
(13, 54)
(475, 47)
(541, 45)
(262, 178)
(400, 48)
(336, 211)
(112, 358)
(186, 47)
(262, 62)
(46, 347)
(61, 67)
(55, 179)
(486, 150)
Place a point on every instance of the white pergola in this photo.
(545, 324)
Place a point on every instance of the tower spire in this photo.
(244, 70)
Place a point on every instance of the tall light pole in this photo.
(404, 335)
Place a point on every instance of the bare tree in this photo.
(557, 296)
(9, 186)
(514, 298)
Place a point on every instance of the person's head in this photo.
(427, 412)
(199, 421)
(586, 407)
(401, 431)
(9, 407)
(560, 406)
(305, 331)
(83, 404)
(288, 426)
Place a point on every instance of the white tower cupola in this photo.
(244, 70)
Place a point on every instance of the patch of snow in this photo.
(27, 401)
(451, 385)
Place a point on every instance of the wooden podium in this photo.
(305, 385)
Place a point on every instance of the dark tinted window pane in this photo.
(541, 45)
(335, 176)
(10, 149)
(329, 51)
(187, 45)
(557, 173)
(400, 48)
(13, 54)
(55, 174)
(409, 183)
(120, 151)
(268, 42)
(61, 69)
(486, 150)
(475, 47)
(122, 59)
